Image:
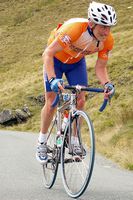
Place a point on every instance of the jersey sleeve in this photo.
(108, 46)
(69, 33)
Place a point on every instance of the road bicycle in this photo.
(76, 169)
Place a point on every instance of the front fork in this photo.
(74, 128)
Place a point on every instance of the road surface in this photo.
(21, 175)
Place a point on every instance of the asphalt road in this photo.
(21, 175)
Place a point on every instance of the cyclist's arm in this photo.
(48, 57)
(101, 64)
(101, 71)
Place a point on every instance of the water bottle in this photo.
(65, 120)
(59, 139)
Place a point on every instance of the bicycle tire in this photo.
(76, 174)
(50, 169)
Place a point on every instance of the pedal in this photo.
(77, 158)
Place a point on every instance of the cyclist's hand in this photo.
(109, 90)
(56, 84)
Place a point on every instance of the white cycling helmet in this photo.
(102, 14)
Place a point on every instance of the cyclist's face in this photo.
(101, 32)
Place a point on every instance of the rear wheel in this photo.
(51, 167)
(77, 169)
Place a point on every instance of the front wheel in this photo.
(51, 167)
(77, 169)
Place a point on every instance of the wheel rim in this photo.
(51, 167)
(77, 170)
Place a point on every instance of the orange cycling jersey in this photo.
(77, 42)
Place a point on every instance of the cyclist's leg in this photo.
(46, 116)
(78, 76)
(48, 111)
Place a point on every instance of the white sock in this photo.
(42, 137)
(74, 140)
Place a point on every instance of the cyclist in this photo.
(65, 54)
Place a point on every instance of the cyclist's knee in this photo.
(49, 106)
(80, 103)
(49, 98)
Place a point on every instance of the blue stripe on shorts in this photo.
(76, 73)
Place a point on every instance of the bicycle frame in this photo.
(70, 102)
(69, 105)
(64, 153)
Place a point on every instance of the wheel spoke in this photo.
(51, 167)
(77, 169)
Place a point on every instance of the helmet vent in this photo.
(109, 12)
(96, 19)
(104, 22)
(104, 16)
(99, 10)
(106, 7)
(111, 19)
